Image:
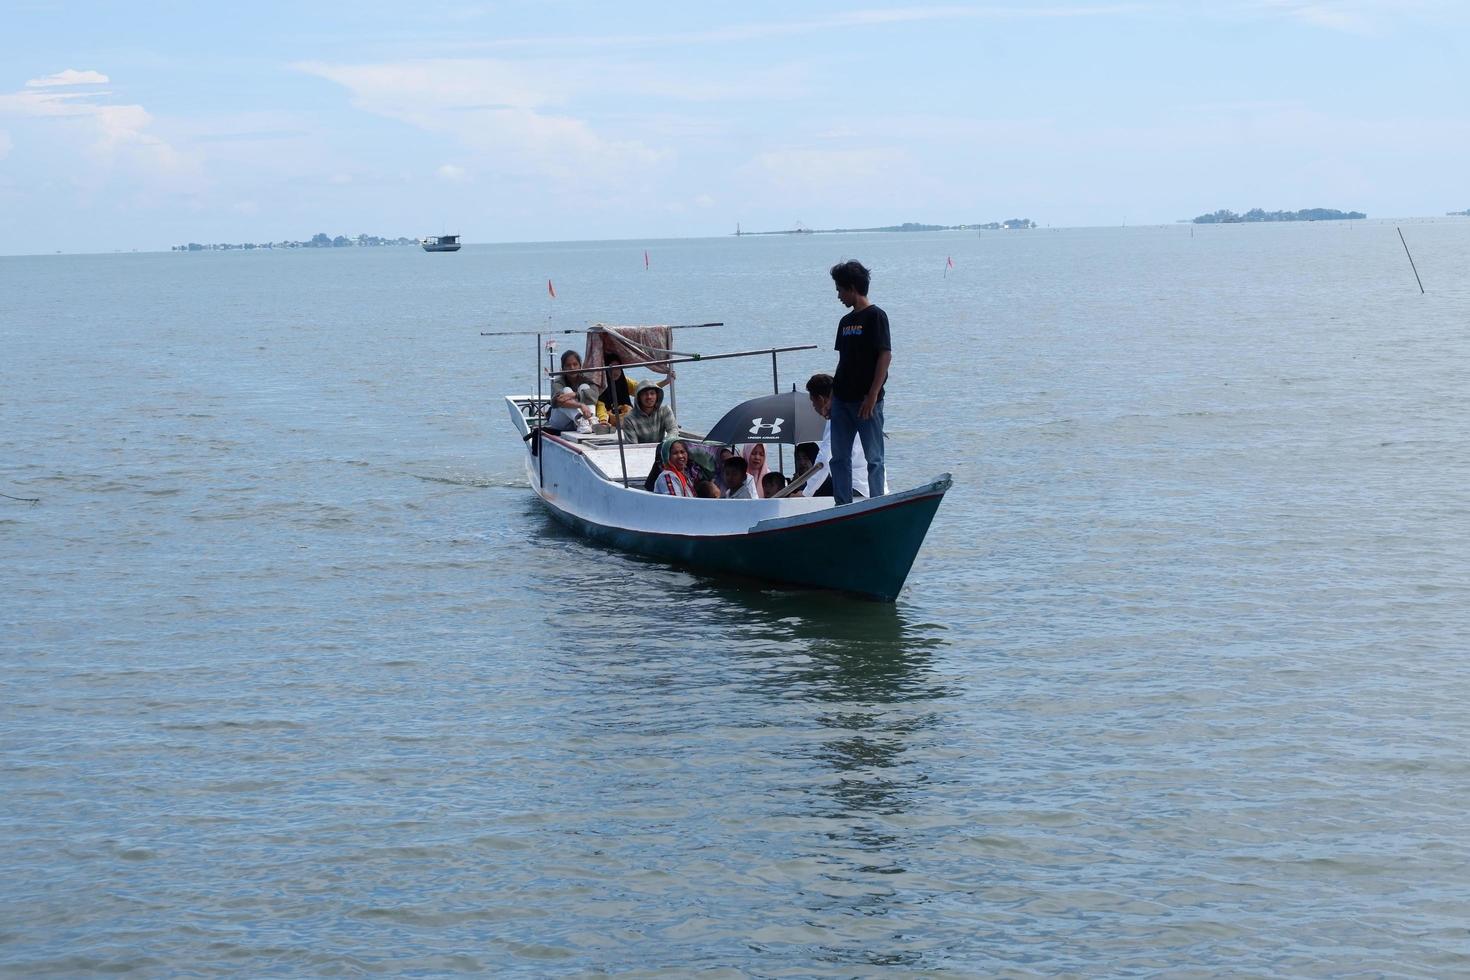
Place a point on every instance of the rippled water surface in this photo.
(299, 678)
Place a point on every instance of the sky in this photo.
(144, 125)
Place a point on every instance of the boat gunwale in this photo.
(919, 494)
(936, 487)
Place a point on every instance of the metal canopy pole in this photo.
(622, 456)
(535, 410)
(776, 390)
(593, 329)
(715, 357)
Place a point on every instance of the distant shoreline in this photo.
(1224, 217)
(1010, 224)
(319, 240)
(1454, 217)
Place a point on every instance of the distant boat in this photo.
(440, 243)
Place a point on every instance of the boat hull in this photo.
(866, 547)
(867, 554)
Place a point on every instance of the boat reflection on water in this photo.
(854, 650)
(776, 746)
(869, 728)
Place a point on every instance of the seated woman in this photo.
(617, 397)
(572, 396)
(673, 478)
(755, 463)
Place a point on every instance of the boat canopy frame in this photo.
(678, 358)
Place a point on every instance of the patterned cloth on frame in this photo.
(631, 344)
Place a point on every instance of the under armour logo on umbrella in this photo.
(757, 424)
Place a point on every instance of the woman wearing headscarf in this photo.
(673, 477)
(617, 397)
(755, 464)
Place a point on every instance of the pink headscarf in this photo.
(755, 474)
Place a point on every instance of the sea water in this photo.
(299, 678)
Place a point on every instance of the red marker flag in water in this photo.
(551, 289)
(645, 258)
(948, 264)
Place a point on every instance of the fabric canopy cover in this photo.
(631, 344)
(785, 418)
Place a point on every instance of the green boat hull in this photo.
(867, 553)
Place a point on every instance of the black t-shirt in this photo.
(861, 337)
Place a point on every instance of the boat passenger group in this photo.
(846, 462)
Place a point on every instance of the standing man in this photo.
(863, 355)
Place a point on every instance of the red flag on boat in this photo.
(551, 289)
(948, 262)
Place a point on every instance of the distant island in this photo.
(1458, 214)
(1256, 214)
(1011, 224)
(319, 240)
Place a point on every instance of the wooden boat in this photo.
(594, 485)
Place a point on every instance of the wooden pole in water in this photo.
(1411, 259)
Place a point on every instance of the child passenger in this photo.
(707, 488)
(738, 484)
(772, 483)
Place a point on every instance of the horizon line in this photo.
(751, 234)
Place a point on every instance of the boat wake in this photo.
(477, 482)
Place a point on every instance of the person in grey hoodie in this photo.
(650, 420)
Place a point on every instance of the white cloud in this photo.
(115, 137)
(404, 88)
(1365, 17)
(451, 173)
(69, 77)
(880, 17)
(827, 173)
(498, 111)
(1348, 18)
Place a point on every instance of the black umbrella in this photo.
(785, 418)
